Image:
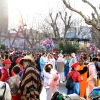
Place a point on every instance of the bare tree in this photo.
(46, 30)
(67, 23)
(33, 37)
(30, 36)
(77, 26)
(94, 20)
(60, 24)
(53, 24)
(96, 37)
(80, 30)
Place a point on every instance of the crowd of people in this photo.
(23, 76)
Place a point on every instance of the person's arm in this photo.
(83, 71)
(70, 63)
(79, 77)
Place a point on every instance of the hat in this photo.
(47, 65)
(60, 55)
(74, 65)
(73, 54)
(18, 60)
(7, 61)
(28, 57)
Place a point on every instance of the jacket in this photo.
(43, 61)
(5, 75)
(7, 95)
(75, 76)
(48, 76)
(47, 79)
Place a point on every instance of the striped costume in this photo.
(31, 84)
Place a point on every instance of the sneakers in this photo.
(61, 82)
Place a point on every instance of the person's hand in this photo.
(55, 79)
(81, 77)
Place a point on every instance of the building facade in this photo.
(3, 16)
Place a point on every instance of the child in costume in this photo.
(76, 77)
(51, 79)
(14, 83)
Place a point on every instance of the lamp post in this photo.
(24, 34)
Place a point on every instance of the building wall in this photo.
(3, 15)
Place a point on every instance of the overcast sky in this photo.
(40, 8)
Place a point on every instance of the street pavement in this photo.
(61, 89)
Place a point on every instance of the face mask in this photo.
(48, 69)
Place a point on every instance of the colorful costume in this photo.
(5, 75)
(83, 71)
(92, 78)
(76, 77)
(31, 84)
(66, 67)
(50, 83)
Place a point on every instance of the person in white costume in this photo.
(51, 59)
(50, 75)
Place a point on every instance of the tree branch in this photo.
(94, 18)
(94, 8)
(61, 17)
(79, 12)
(88, 21)
(69, 20)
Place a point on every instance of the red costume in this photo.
(5, 75)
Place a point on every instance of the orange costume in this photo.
(84, 82)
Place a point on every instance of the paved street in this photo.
(61, 89)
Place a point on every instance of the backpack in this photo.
(54, 97)
(57, 96)
(2, 97)
(69, 83)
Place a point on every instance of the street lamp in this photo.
(24, 33)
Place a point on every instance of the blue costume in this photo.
(66, 68)
(76, 89)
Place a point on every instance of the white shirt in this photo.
(7, 95)
(48, 77)
(92, 69)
